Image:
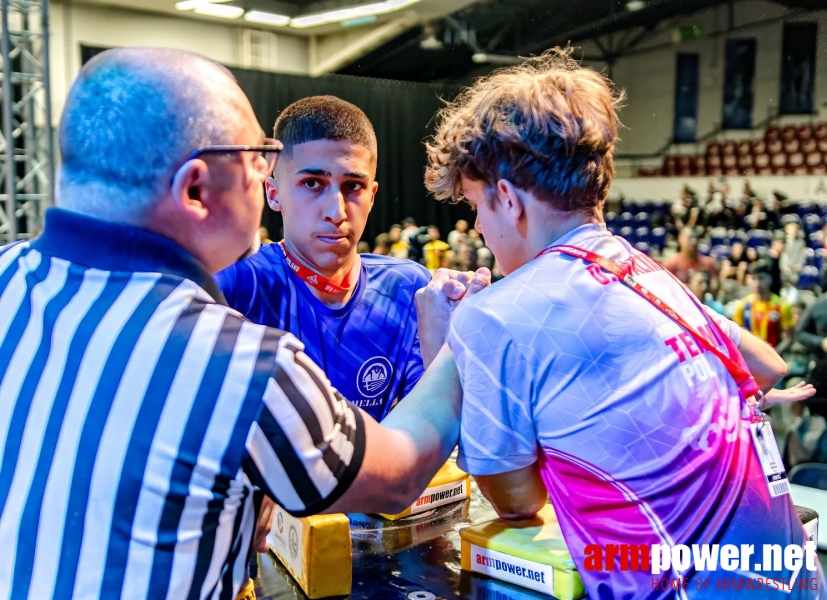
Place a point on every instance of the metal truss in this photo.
(26, 133)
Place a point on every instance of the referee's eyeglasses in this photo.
(264, 161)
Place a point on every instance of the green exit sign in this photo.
(687, 33)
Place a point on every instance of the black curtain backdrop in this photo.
(685, 126)
(739, 73)
(798, 68)
(402, 114)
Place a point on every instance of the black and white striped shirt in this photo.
(137, 416)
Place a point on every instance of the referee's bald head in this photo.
(132, 117)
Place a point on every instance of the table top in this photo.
(416, 558)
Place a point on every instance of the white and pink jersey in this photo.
(641, 435)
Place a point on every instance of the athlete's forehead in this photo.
(330, 158)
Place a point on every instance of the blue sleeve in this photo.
(414, 368)
(231, 283)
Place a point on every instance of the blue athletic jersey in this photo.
(369, 348)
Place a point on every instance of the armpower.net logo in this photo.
(773, 566)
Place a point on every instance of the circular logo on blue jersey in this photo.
(374, 377)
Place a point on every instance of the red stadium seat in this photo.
(744, 148)
(684, 162)
(792, 146)
(732, 171)
(749, 171)
(700, 165)
(713, 148)
(730, 161)
(779, 163)
(814, 159)
(772, 134)
(775, 146)
(728, 148)
(762, 161)
(789, 132)
(745, 161)
(713, 162)
(819, 170)
(713, 171)
(796, 160)
(821, 131)
(809, 145)
(805, 132)
(759, 147)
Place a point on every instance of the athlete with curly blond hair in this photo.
(634, 419)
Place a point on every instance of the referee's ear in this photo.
(272, 193)
(187, 187)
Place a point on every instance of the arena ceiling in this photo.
(492, 32)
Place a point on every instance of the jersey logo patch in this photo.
(374, 376)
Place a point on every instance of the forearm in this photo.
(764, 363)
(429, 416)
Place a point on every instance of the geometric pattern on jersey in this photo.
(139, 416)
(369, 348)
(639, 435)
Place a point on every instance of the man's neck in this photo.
(346, 276)
(690, 255)
(764, 296)
(560, 225)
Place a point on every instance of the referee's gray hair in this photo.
(132, 117)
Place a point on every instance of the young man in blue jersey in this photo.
(354, 313)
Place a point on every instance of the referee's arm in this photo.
(312, 451)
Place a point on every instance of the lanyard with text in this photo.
(752, 394)
(321, 283)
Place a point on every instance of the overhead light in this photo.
(358, 21)
(354, 12)
(257, 16)
(221, 11)
(191, 4)
(634, 5)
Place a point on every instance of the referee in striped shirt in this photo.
(138, 413)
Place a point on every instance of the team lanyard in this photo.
(321, 283)
(746, 384)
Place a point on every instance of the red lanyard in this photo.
(321, 283)
(745, 381)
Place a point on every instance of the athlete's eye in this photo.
(354, 186)
(312, 184)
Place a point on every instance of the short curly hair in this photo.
(548, 126)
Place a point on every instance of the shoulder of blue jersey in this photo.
(401, 267)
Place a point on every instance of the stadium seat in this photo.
(822, 145)
(643, 247)
(657, 238)
(805, 131)
(713, 148)
(703, 248)
(745, 161)
(759, 147)
(718, 236)
(699, 165)
(757, 238)
(761, 161)
(791, 218)
(809, 256)
(738, 235)
(730, 161)
(819, 259)
(812, 475)
(772, 134)
(809, 277)
(642, 234)
(775, 146)
(744, 148)
(728, 148)
(792, 146)
(779, 163)
(812, 222)
(814, 159)
(626, 219)
(789, 132)
(641, 219)
(821, 131)
(628, 234)
(720, 252)
(809, 145)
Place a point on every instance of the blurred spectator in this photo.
(383, 245)
(763, 313)
(792, 257)
(687, 260)
(776, 248)
(416, 244)
(449, 260)
(700, 284)
(409, 229)
(399, 249)
(740, 258)
(485, 258)
(475, 238)
(433, 250)
(264, 235)
(458, 235)
(757, 218)
(685, 211)
(467, 257)
(363, 247)
(812, 330)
